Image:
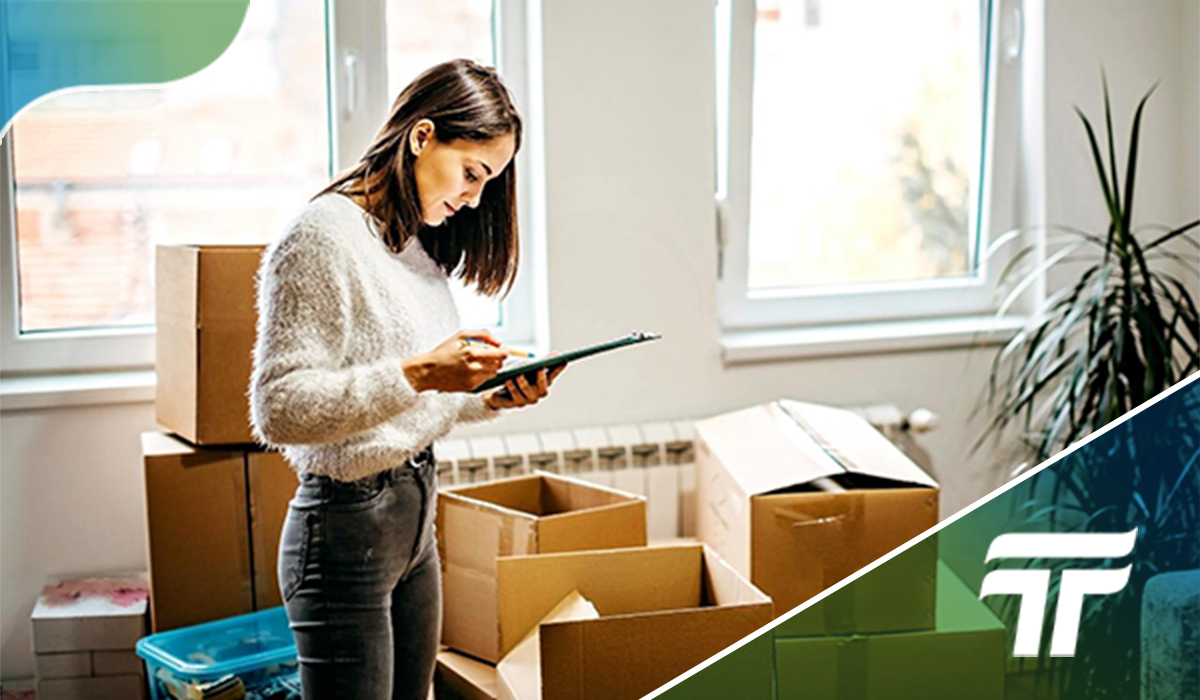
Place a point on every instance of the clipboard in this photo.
(551, 361)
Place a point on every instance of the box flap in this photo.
(463, 678)
(723, 585)
(765, 437)
(791, 443)
(518, 674)
(854, 444)
(617, 581)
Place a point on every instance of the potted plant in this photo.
(1126, 330)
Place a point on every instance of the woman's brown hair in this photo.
(464, 100)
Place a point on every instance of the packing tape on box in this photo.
(839, 532)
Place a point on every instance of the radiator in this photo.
(656, 460)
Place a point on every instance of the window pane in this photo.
(421, 34)
(866, 138)
(229, 154)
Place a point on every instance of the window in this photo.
(854, 177)
(91, 181)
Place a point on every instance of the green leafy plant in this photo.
(1124, 331)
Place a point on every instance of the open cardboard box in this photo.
(539, 513)
(663, 610)
(798, 496)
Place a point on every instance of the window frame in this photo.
(352, 27)
(995, 193)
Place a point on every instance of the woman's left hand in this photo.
(521, 392)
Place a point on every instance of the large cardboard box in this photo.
(964, 657)
(539, 513)
(205, 314)
(273, 483)
(197, 525)
(662, 609)
(798, 496)
(214, 518)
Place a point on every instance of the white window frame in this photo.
(355, 28)
(997, 204)
(360, 103)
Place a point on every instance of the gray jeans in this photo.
(359, 575)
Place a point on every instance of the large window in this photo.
(853, 159)
(93, 180)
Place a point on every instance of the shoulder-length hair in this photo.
(464, 100)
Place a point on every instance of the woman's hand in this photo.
(456, 364)
(520, 392)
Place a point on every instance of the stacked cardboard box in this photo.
(84, 632)
(215, 504)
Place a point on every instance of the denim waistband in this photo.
(417, 461)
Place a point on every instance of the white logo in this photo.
(1033, 585)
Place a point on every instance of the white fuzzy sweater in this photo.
(337, 312)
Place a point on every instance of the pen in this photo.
(514, 351)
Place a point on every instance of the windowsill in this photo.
(742, 347)
(86, 389)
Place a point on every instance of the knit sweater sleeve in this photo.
(474, 410)
(300, 392)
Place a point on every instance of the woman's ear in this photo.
(420, 136)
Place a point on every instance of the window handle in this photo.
(1014, 33)
(350, 66)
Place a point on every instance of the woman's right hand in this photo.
(456, 364)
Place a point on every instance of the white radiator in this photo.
(655, 460)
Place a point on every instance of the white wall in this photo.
(629, 132)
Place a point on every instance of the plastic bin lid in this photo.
(233, 645)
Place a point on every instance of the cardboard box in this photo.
(76, 664)
(198, 533)
(798, 496)
(106, 688)
(273, 483)
(519, 674)
(116, 663)
(964, 657)
(898, 596)
(205, 314)
(459, 677)
(662, 611)
(524, 515)
(82, 613)
(214, 520)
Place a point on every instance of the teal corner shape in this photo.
(49, 45)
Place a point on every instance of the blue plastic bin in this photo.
(258, 648)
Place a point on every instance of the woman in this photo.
(359, 366)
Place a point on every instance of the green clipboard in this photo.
(551, 361)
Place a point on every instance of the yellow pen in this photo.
(514, 351)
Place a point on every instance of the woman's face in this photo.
(451, 175)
